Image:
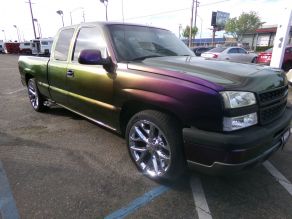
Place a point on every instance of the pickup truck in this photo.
(175, 110)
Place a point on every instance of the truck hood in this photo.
(217, 75)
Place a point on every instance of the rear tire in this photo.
(36, 100)
(155, 145)
(254, 60)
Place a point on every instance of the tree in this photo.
(186, 31)
(245, 23)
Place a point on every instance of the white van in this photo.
(25, 48)
(42, 46)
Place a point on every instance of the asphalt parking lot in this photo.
(59, 165)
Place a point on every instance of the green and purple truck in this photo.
(174, 109)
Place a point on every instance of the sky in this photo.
(168, 14)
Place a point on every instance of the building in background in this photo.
(263, 38)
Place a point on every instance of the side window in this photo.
(233, 50)
(242, 51)
(63, 44)
(89, 38)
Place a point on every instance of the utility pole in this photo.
(29, 2)
(192, 18)
(196, 12)
(191, 25)
(213, 35)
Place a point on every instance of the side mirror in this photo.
(92, 57)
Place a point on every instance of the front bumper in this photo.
(219, 153)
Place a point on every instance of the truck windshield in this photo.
(133, 43)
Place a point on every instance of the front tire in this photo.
(287, 66)
(36, 100)
(155, 145)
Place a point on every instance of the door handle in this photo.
(70, 73)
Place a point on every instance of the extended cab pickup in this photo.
(172, 107)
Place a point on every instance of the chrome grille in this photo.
(272, 104)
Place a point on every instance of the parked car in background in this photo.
(236, 54)
(266, 56)
(25, 48)
(200, 49)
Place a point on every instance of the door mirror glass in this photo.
(92, 57)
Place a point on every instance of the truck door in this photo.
(90, 86)
(57, 68)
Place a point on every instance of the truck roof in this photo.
(103, 23)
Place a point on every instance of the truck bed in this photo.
(37, 67)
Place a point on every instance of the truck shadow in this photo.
(62, 112)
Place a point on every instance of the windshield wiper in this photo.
(144, 57)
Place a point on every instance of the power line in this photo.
(177, 10)
(213, 3)
(165, 12)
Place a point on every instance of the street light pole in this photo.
(83, 15)
(71, 17)
(17, 32)
(60, 12)
(105, 2)
(4, 35)
(40, 30)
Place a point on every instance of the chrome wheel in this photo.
(33, 94)
(149, 148)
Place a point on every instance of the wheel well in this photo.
(286, 65)
(130, 108)
(27, 77)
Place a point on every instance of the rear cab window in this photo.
(63, 44)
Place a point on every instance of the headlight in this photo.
(239, 122)
(236, 99)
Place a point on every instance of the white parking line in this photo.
(278, 176)
(7, 203)
(16, 91)
(199, 198)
